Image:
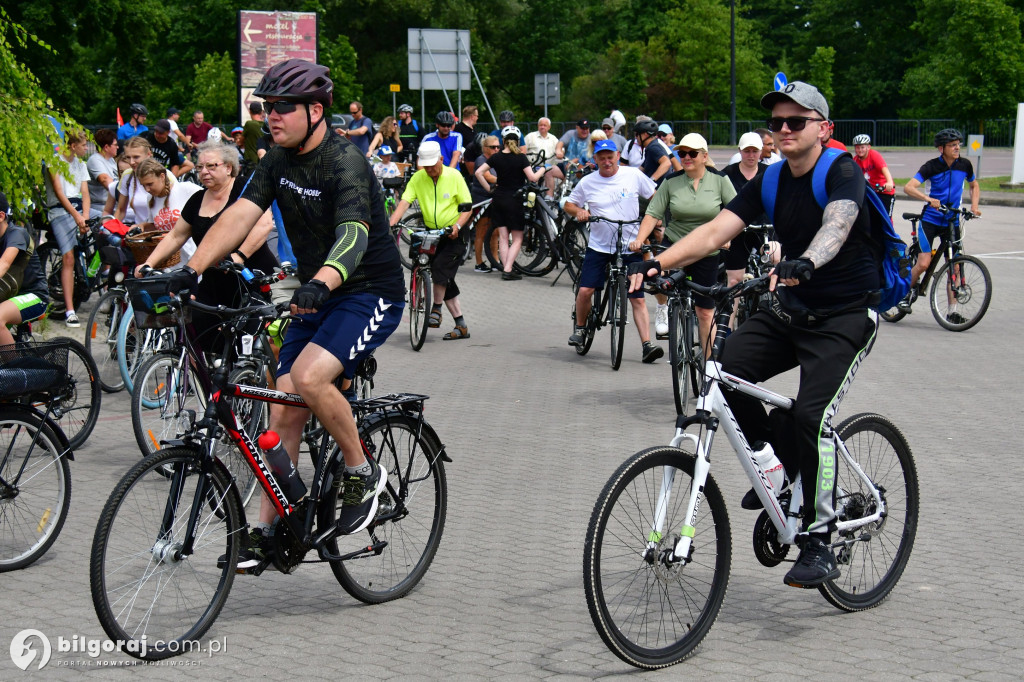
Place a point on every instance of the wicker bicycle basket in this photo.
(142, 246)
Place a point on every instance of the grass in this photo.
(987, 184)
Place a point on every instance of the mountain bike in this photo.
(961, 287)
(421, 290)
(88, 266)
(35, 479)
(609, 305)
(685, 353)
(659, 544)
(164, 554)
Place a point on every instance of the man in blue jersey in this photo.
(451, 142)
(946, 175)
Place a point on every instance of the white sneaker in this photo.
(661, 322)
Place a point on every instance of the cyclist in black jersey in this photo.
(352, 291)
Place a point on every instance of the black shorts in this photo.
(506, 210)
(704, 272)
(739, 251)
(447, 259)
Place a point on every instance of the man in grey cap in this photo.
(820, 321)
(608, 126)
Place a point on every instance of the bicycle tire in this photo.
(35, 502)
(52, 262)
(420, 299)
(617, 318)
(893, 314)
(574, 244)
(972, 293)
(411, 456)
(158, 398)
(871, 569)
(411, 221)
(695, 360)
(652, 615)
(76, 408)
(101, 338)
(254, 416)
(677, 355)
(531, 254)
(129, 342)
(536, 240)
(133, 557)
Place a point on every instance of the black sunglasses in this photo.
(494, 146)
(795, 123)
(693, 153)
(281, 107)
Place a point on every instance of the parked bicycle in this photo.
(155, 574)
(658, 547)
(961, 286)
(421, 291)
(35, 479)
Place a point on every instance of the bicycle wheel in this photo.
(651, 613)
(893, 314)
(130, 342)
(534, 259)
(678, 354)
(255, 418)
(159, 397)
(420, 297)
(411, 221)
(574, 243)
(35, 487)
(410, 516)
(142, 585)
(77, 407)
(960, 293)
(101, 338)
(875, 556)
(617, 317)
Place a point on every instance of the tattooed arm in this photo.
(836, 223)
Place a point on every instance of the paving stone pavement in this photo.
(535, 431)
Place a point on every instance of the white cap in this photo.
(693, 141)
(429, 153)
(748, 140)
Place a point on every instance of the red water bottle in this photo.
(281, 464)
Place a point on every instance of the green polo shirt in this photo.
(438, 202)
(689, 208)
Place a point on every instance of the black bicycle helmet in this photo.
(506, 116)
(138, 110)
(297, 80)
(445, 118)
(404, 109)
(944, 137)
(645, 128)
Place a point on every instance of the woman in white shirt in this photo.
(131, 193)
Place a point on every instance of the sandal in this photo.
(457, 333)
(435, 319)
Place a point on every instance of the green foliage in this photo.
(27, 137)
(339, 56)
(215, 88)
(820, 71)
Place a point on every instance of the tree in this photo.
(215, 88)
(27, 137)
(821, 71)
(973, 68)
(339, 56)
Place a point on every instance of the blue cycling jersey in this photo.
(449, 145)
(947, 184)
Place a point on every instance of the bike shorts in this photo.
(446, 262)
(506, 210)
(349, 328)
(594, 270)
(929, 234)
(30, 306)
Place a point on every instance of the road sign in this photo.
(266, 38)
(975, 145)
(780, 80)
(395, 87)
(546, 89)
(438, 59)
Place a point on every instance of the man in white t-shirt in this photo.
(102, 167)
(613, 192)
(541, 140)
(179, 137)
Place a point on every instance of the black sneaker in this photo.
(956, 318)
(359, 499)
(482, 267)
(510, 276)
(579, 337)
(257, 547)
(652, 353)
(751, 501)
(907, 301)
(815, 565)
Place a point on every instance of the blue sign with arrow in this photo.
(780, 80)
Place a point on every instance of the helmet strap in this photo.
(310, 128)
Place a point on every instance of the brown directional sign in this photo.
(266, 38)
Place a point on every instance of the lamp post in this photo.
(732, 72)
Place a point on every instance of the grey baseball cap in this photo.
(803, 94)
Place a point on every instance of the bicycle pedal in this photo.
(255, 570)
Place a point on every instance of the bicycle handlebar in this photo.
(677, 279)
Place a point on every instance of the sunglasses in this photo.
(795, 123)
(493, 146)
(281, 107)
(693, 153)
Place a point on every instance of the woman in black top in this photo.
(218, 172)
(387, 135)
(506, 211)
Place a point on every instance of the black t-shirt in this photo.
(854, 271)
(470, 150)
(410, 133)
(653, 153)
(509, 169)
(735, 175)
(165, 152)
(263, 259)
(25, 269)
(317, 192)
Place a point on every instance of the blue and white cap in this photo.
(605, 146)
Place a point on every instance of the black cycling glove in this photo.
(182, 280)
(798, 268)
(311, 295)
(641, 268)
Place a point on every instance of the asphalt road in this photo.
(535, 431)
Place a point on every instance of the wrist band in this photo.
(240, 254)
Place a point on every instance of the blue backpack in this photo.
(890, 250)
